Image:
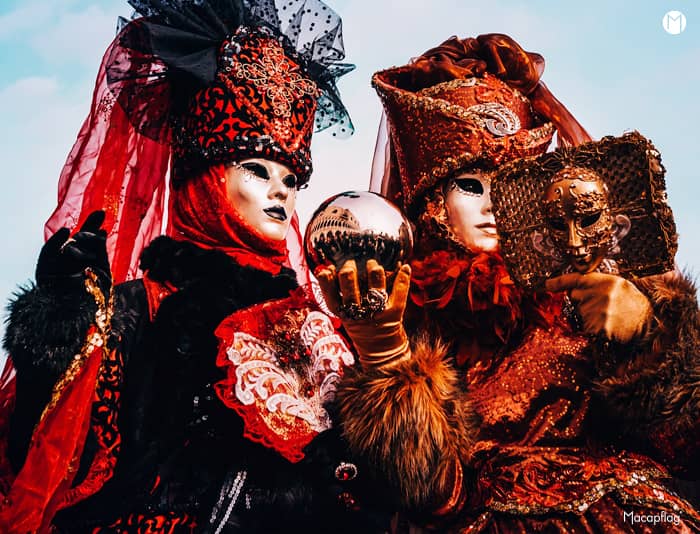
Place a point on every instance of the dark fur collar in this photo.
(184, 264)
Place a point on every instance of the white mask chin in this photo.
(263, 193)
(469, 211)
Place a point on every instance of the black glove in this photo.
(62, 261)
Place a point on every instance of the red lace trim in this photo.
(278, 430)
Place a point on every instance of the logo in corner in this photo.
(674, 22)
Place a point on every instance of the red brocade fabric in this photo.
(283, 359)
(539, 463)
(261, 105)
(501, 56)
(537, 458)
(203, 215)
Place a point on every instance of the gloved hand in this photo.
(63, 260)
(608, 305)
(380, 339)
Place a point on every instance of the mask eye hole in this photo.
(558, 224)
(590, 220)
(290, 181)
(470, 186)
(257, 169)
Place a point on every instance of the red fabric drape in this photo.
(502, 56)
(113, 167)
(54, 452)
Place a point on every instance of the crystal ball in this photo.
(358, 225)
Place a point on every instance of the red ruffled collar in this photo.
(459, 291)
(282, 359)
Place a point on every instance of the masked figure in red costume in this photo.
(191, 398)
(481, 408)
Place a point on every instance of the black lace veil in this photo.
(170, 49)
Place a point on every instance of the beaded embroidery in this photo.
(275, 74)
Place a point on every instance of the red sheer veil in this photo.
(114, 167)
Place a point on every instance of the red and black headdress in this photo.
(193, 83)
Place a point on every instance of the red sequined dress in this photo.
(519, 423)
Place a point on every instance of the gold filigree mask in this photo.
(578, 218)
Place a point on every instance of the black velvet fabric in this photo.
(173, 427)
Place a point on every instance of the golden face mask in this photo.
(577, 217)
(599, 206)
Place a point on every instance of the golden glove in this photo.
(608, 304)
(379, 338)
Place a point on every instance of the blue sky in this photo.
(611, 63)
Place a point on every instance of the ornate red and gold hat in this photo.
(261, 104)
(188, 84)
(466, 104)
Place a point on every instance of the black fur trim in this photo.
(182, 264)
(409, 422)
(45, 329)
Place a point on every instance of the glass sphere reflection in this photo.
(358, 225)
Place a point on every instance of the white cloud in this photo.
(23, 88)
(78, 36)
(27, 17)
(64, 32)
